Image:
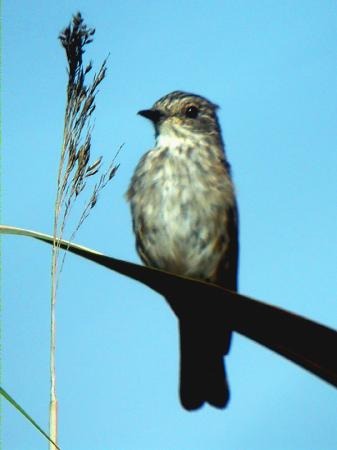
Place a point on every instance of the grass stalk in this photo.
(74, 170)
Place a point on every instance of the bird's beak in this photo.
(153, 114)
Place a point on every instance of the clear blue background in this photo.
(271, 66)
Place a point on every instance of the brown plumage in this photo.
(185, 221)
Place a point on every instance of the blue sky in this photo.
(271, 67)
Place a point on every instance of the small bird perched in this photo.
(186, 222)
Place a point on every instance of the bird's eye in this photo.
(191, 112)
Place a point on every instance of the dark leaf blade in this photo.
(305, 342)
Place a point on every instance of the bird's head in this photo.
(181, 115)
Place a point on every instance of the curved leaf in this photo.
(303, 341)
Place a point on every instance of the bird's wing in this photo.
(227, 273)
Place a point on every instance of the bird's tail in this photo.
(202, 370)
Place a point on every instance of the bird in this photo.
(185, 220)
